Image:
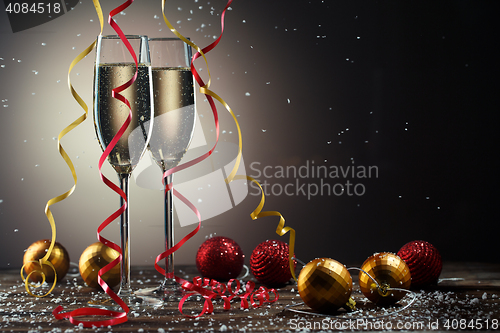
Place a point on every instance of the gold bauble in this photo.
(59, 257)
(390, 271)
(95, 257)
(325, 285)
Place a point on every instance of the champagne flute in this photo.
(114, 66)
(173, 127)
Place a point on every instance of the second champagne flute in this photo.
(174, 121)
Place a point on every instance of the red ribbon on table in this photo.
(118, 317)
(217, 289)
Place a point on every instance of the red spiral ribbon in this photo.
(256, 297)
(183, 240)
(204, 88)
(118, 317)
(211, 289)
(210, 99)
(194, 161)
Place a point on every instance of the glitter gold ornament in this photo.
(59, 257)
(325, 285)
(95, 257)
(390, 271)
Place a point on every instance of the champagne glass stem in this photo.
(125, 288)
(169, 232)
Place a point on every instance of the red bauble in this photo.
(424, 262)
(220, 258)
(269, 263)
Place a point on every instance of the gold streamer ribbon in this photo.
(112, 317)
(281, 229)
(62, 152)
(205, 89)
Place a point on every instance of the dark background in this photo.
(408, 86)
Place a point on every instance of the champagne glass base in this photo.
(169, 291)
(132, 301)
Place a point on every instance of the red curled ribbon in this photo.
(211, 289)
(184, 239)
(118, 317)
(198, 159)
(281, 230)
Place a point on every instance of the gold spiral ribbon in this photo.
(62, 152)
(205, 89)
(281, 229)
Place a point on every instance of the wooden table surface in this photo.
(467, 298)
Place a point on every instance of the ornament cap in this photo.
(382, 289)
(350, 305)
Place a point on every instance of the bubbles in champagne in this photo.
(110, 113)
(174, 120)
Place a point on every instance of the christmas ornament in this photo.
(325, 285)
(424, 261)
(59, 258)
(95, 257)
(390, 271)
(269, 263)
(220, 258)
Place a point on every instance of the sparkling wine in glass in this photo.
(114, 66)
(173, 127)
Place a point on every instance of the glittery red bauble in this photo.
(424, 262)
(269, 263)
(220, 258)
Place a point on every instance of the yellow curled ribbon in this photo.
(204, 89)
(281, 229)
(62, 152)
